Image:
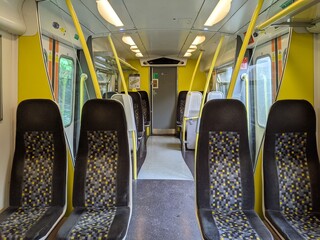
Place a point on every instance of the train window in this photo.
(264, 88)
(65, 92)
(223, 80)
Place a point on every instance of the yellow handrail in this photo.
(297, 5)
(214, 59)
(244, 48)
(118, 64)
(128, 65)
(195, 70)
(85, 49)
(134, 151)
(213, 63)
(83, 78)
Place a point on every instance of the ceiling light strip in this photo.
(219, 12)
(108, 13)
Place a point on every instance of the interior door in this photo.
(164, 97)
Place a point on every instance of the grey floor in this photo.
(163, 196)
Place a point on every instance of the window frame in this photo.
(268, 56)
(73, 87)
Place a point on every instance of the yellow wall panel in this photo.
(32, 77)
(185, 74)
(298, 78)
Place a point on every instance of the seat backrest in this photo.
(214, 95)
(290, 161)
(224, 175)
(145, 106)
(103, 168)
(137, 109)
(38, 177)
(181, 105)
(193, 102)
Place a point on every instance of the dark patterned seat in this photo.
(180, 107)
(102, 180)
(291, 170)
(224, 175)
(145, 107)
(38, 178)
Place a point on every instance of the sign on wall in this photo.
(134, 81)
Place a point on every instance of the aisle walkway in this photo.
(164, 160)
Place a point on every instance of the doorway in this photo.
(164, 97)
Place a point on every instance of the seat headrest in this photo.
(291, 116)
(38, 115)
(224, 115)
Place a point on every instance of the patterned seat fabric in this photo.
(225, 195)
(145, 107)
(37, 196)
(101, 176)
(291, 170)
(180, 106)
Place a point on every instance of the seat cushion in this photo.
(16, 223)
(232, 225)
(96, 224)
(294, 226)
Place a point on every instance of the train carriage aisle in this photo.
(163, 194)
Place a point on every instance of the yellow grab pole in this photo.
(244, 48)
(135, 170)
(215, 57)
(118, 64)
(134, 143)
(290, 9)
(83, 78)
(128, 65)
(195, 70)
(213, 63)
(85, 49)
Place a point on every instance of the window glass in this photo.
(264, 88)
(65, 97)
(223, 80)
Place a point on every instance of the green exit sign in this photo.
(286, 4)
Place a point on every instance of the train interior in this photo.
(172, 72)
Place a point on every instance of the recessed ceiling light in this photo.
(219, 12)
(133, 47)
(135, 50)
(193, 47)
(190, 50)
(198, 40)
(128, 40)
(139, 55)
(107, 12)
(187, 54)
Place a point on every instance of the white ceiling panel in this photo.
(163, 14)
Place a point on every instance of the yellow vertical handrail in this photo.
(118, 64)
(195, 70)
(213, 63)
(83, 78)
(85, 49)
(244, 48)
(133, 133)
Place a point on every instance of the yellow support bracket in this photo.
(291, 9)
(244, 48)
(85, 49)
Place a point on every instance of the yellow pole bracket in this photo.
(244, 48)
(195, 70)
(85, 49)
(291, 9)
(118, 64)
